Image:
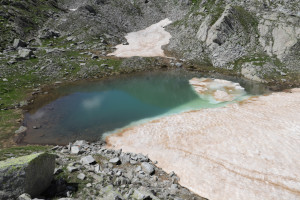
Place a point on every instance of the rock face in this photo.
(244, 37)
(256, 40)
(28, 174)
(280, 36)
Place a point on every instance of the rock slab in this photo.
(28, 174)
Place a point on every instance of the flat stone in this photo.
(87, 160)
(72, 169)
(147, 168)
(25, 53)
(75, 149)
(80, 143)
(81, 176)
(115, 161)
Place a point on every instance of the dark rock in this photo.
(47, 34)
(88, 8)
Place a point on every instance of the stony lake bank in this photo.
(45, 44)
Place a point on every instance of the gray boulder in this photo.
(24, 197)
(25, 53)
(87, 160)
(30, 174)
(75, 149)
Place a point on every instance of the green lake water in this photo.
(87, 110)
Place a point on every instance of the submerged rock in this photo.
(30, 174)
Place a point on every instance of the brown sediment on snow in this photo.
(145, 43)
(241, 151)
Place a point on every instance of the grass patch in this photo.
(247, 20)
(8, 124)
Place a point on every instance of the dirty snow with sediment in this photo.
(145, 43)
(248, 150)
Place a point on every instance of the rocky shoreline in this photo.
(91, 171)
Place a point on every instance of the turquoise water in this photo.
(87, 110)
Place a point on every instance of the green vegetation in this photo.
(8, 125)
(32, 13)
(216, 10)
(247, 20)
(21, 151)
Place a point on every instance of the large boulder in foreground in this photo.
(30, 174)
